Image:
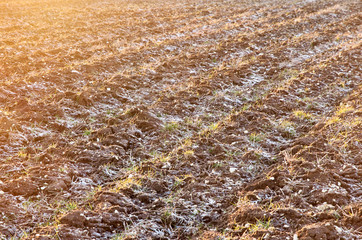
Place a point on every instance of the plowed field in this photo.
(224, 119)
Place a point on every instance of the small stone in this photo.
(232, 170)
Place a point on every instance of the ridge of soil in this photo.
(226, 119)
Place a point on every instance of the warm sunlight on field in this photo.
(198, 119)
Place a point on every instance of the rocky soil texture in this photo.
(224, 119)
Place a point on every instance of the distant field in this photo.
(224, 119)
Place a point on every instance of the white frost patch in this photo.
(254, 79)
(83, 183)
(325, 206)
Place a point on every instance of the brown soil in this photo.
(225, 119)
